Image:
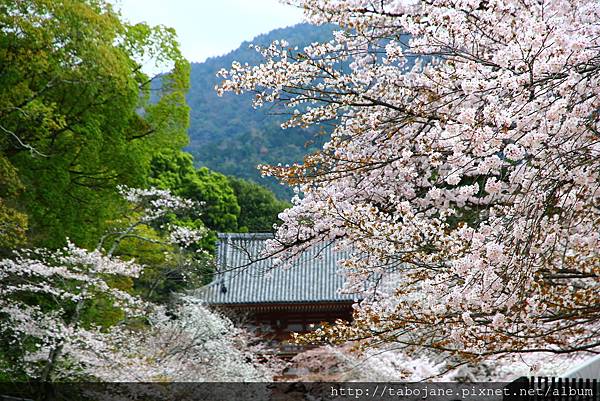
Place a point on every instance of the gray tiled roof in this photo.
(313, 277)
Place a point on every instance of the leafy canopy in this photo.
(72, 119)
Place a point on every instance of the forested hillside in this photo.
(227, 134)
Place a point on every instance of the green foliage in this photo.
(148, 248)
(13, 223)
(259, 207)
(229, 204)
(102, 312)
(182, 271)
(220, 204)
(228, 135)
(73, 122)
(168, 269)
(78, 117)
(175, 171)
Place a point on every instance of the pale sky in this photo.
(208, 28)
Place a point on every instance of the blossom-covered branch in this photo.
(152, 207)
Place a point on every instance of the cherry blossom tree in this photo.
(190, 344)
(147, 343)
(152, 207)
(163, 232)
(462, 173)
(46, 296)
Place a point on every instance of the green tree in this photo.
(175, 170)
(259, 207)
(221, 206)
(76, 114)
(229, 204)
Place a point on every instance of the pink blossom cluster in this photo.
(153, 205)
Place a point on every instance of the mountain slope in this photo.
(227, 134)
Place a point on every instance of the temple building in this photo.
(274, 302)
